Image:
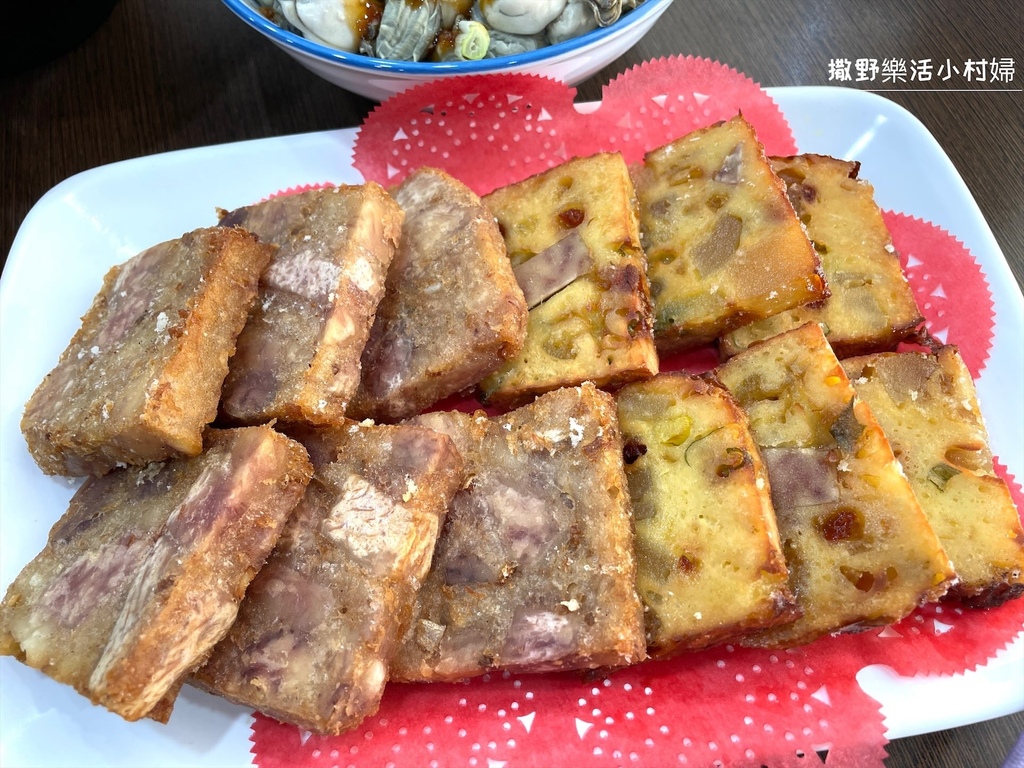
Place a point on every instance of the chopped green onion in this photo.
(940, 474)
(686, 453)
(472, 41)
(736, 458)
(680, 431)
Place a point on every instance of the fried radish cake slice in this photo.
(298, 355)
(871, 307)
(141, 378)
(144, 573)
(452, 312)
(859, 549)
(723, 243)
(709, 560)
(572, 238)
(322, 620)
(534, 568)
(928, 407)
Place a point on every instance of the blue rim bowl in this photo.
(379, 78)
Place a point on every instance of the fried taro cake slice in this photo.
(534, 568)
(860, 551)
(574, 244)
(298, 355)
(723, 243)
(709, 560)
(141, 378)
(145, 571)
(452, 312)
(928, 407)
(322, 620)
(871, 307)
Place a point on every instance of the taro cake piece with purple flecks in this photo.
(298, 355)
(928, 407)
(709, 560)
(144, 573)
(321, 621)
(453, 311)
(573, 240)
(141, 378)
(534, 569)
(723, 244)
(859, 549)
(871, 307)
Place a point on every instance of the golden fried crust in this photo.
(141, 378)
(534, 569)
(322, 620)
(144, 573)
(723, 242)
(871, 307)
(928, 407)
(859, 549)
(298, 355)
(599, 327)
(709, 561)
(453, 311)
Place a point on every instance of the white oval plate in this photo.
(102, 217)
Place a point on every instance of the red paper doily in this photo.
(493, 130)
(727, 706)
(950, 289)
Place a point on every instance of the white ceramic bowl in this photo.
(570, 61)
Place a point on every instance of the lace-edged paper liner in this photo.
(493, 130)
(733, 705)
(727, 706)
(950, 289)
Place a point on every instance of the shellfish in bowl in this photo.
(379, 47)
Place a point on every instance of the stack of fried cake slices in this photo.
(280, 510)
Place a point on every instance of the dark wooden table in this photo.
(160, 76)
